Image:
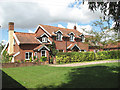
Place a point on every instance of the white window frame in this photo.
(44, 39)
(35, 54)
(71, 39)
(28, 55)
(41, 52)
(59, 39)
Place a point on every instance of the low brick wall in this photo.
(10, 65)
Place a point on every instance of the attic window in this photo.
(83, 38)
(71, 37)
(59, 36)
(44, 39)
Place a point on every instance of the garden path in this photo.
(84, 63)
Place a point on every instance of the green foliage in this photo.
(30, 59)
(71, 57)
(5, 57)
(53, 50)
(25, 60)
(18, 61)
(34, 57)
(43, 58)
(37, 60)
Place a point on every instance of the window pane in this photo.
(30, 54)
(44, 39)
(43, 53)
(59, 36)
(26, 55)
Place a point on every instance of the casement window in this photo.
(43, 53)
(35, 54)
(60, 50)
(71, 37)
(28, 55)
(59, 36)
(44, 39)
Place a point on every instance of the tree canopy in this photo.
(111, 10)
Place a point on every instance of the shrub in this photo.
(25, 60)
(30, 59)
(18, 61)
(5, 57)
(43, 58)
(71, 57)
(34, 57)
(37, 60)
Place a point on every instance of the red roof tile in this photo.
(52, 30)
(27, 38)
(113, 45)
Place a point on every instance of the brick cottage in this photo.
(22, 46)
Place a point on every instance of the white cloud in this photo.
(30, 31)
(80, 27)
(28, 15)
(61, 26)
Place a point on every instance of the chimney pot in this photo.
(11, 25)
(75, 27)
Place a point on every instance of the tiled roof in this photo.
(52, 30)
(27, 38)
(82, 46)
(38, 47)
(113, 45)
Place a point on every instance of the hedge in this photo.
(71, 57)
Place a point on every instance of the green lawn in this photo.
(91, 76)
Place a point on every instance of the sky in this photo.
(28, 14)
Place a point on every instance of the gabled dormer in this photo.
(59, 35)
(44, 38)
(72, 36)
(82, 38)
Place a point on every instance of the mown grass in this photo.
(90, 76)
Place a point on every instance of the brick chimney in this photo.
(10, 38)
(75, 27)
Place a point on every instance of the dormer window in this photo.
(44, 39)
(59, 36)
(83, 38)
(71, 37)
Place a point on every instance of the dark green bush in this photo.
(71, 57)
(43, 58)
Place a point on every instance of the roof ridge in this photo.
(24, 32)
(60, 27)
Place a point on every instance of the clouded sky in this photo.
(28, 14)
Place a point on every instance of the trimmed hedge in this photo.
(71, 57)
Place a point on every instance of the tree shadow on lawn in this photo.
(9, 82)
(92, 77)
